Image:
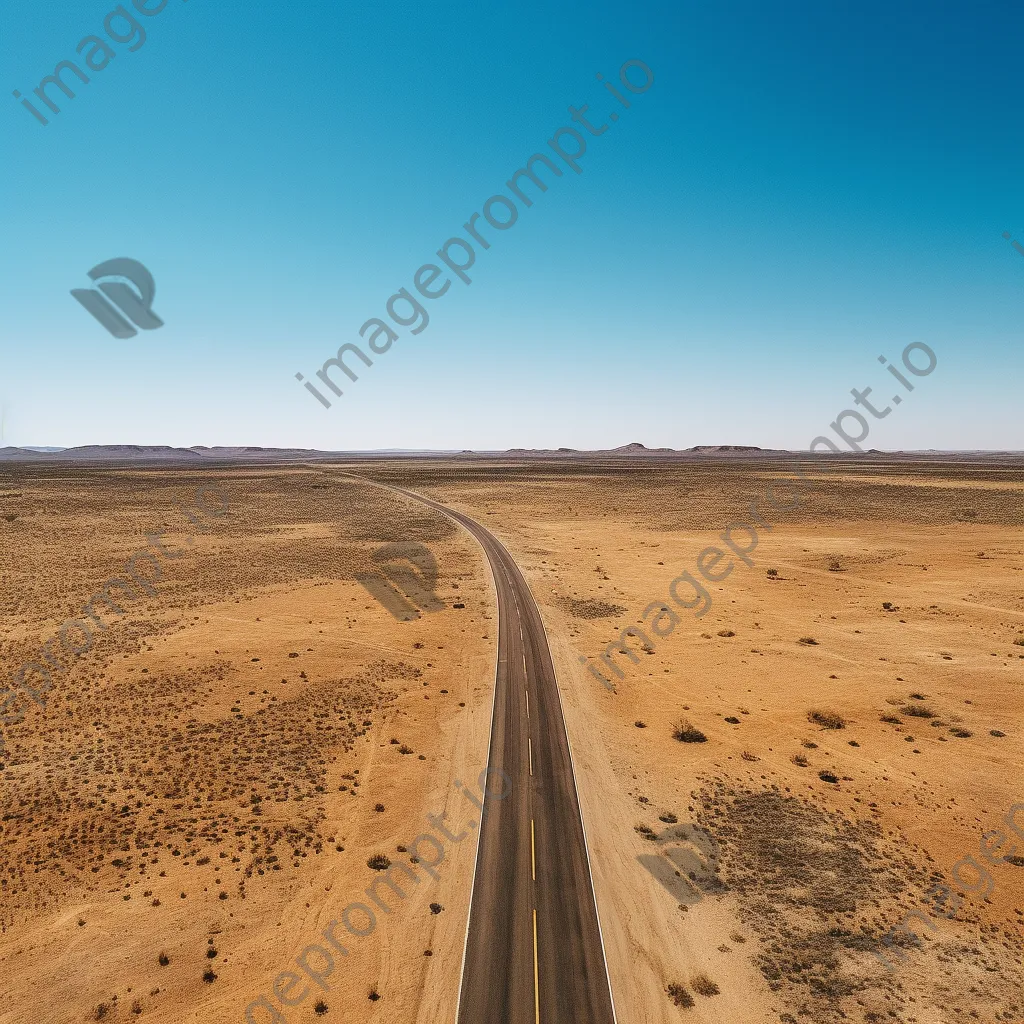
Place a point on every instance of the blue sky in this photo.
(803, 187)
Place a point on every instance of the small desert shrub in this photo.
(748, 756)
(678, 994)
(436, 908)
(136, 1006)
(378, 808)
(726, 632)
(736, 937)
(800, 760)
(891, 719)
(996, 732)
(163, 959)
(1015, 859)
(319, 1007)
(645, 831)
(961, 733)
(101, 1011)
(733, 720)
(808, 640)
(826, 719)
(834, 565)
(1019, 642)
(209, 977)
(373, 995)
(704, 986)
(889, 606)
(918, 711)
(640, 725)
(668, 817)
(211, 952)
(773, 574)
(404, 749)
(685, 732)
(827, 777)
(379, 862)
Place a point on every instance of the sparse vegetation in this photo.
(918, 711)
(826, 719)
(320, 1007)
(809, 641)
(679, 995)
(686, 732)
(379, 862)
(703, 985)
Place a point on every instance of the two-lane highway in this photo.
(534, 950)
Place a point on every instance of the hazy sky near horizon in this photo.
(804, 187)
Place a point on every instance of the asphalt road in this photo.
(534, 951)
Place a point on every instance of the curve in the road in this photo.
(534, 949)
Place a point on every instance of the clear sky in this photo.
(804, 187)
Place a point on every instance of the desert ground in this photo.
(201, 793)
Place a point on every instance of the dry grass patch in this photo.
(826, 719)
(686, 732)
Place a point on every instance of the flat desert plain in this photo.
(826, 756)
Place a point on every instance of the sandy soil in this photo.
(189, 754)
(202, 784)
(734, 858)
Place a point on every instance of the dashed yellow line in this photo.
(527, 698)
(530, 742)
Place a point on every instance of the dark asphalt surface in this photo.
(534, 951)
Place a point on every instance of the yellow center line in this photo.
(536, 983)
(530, 742)
(533, 854)
(527, 703)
